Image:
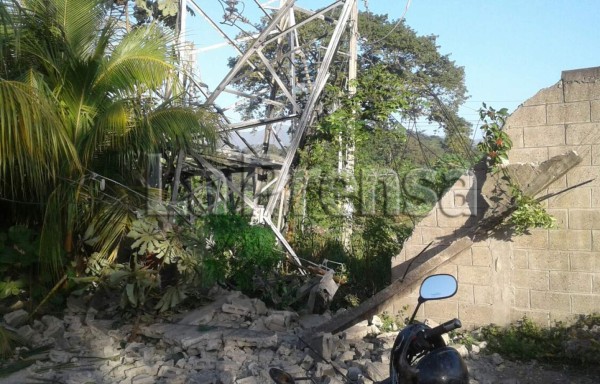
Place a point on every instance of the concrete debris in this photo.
(201, 347)
(17, 318)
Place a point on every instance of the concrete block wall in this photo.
(547, 275)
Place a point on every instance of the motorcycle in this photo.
(419, 354)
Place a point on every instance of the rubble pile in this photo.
(232, 340)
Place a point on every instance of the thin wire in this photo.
(397, 23)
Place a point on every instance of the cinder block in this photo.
(595, 155)
(430, 220)
(529, 116)
(475, 313)
(584, 219)
(520, 259)
(585, 262)
(595, 105)
(582, 174)
(463, 258)
(548, 135)
(567, 318)
(596, 241)
(437, 235)
(596, 284)
(539, 317)
(575, 198)
(577, 134)
(584, 151)
(450, 269)
(576, 112)
(547, 260)
(551, 301)
(525, 278)
(585, 304)
(454, 217)
(537, 239)
(483, 294)
(522, 299)
(465, 293)
(528, 155)
(474, 274)
(560, 217)
(482, 256)
(415, 238)
(550, 95)
(441, 308)
(516, 135)
(576, 91)
(570, 282)
(595, 197)
(570, 240)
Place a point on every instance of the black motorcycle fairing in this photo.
(442, 366)
(405, 350)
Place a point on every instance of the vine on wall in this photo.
(527, 212)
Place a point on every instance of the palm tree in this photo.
(79, 113)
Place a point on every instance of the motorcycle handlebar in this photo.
(442, 328)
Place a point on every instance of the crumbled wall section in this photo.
(547, 275)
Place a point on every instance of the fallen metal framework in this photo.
(294, 72)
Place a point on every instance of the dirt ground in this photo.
(485, 370)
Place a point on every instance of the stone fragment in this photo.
(249, 380)
(497, 359)
(376, 320)
(16, 318)
(376, 371)
(324, 369)
(357, 331)
(280, 320)
(60, 357)
(307, 362)
(313, 320)
(462, 350)
(143, 379)
(26, 333)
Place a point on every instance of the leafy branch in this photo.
(527, 211)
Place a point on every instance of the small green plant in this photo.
(529, 213)
(576, 344)
(238, 251)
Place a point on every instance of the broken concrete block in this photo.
(307, 362)
(376, 371)
(323, 344)
(16, 318)
(27, 333)
(357, 331)
(324, 370)
(60, 357)
(376, 321)
(248, 338)
(280, 320)
(313, 320)
(143, 379)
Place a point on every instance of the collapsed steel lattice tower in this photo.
(296, 80)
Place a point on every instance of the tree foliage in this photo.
(80, 114)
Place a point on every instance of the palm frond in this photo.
(141, 59)
(79, 21)
(32, 143)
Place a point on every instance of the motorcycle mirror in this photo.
(437, 287)
(280, 376)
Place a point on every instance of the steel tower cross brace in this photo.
(282, 35)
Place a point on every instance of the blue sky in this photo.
(509, 48)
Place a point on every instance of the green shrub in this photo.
(238, 251)
(576, 344)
